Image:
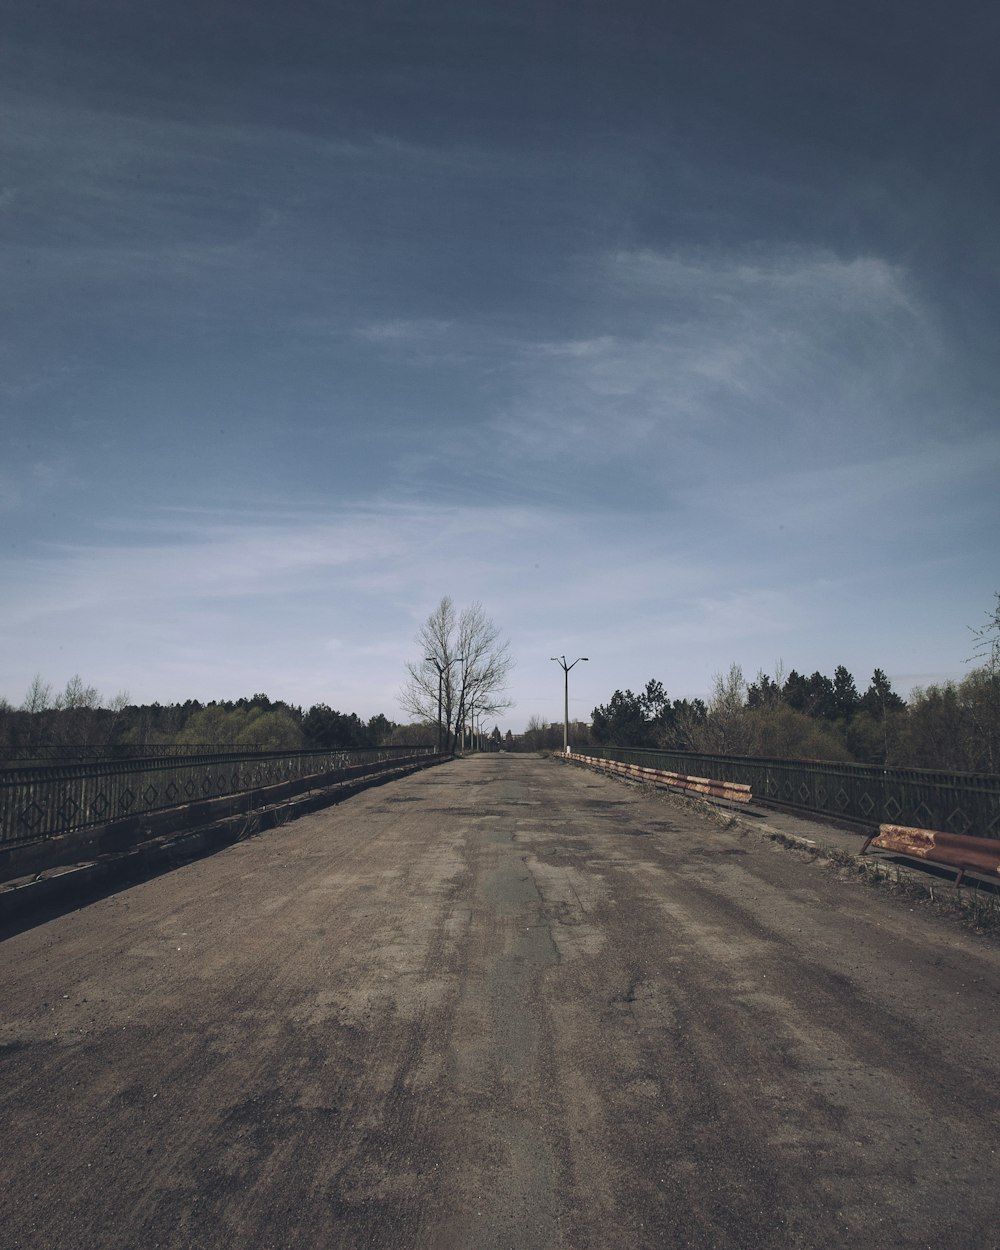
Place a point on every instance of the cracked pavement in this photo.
(500, 1003)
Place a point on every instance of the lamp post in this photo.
(441, 670)
(561, 661)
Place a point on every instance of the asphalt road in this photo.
(501, 1003)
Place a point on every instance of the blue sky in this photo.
(665, 331)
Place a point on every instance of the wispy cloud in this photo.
(718, 354)
(401, 331)
(863, 284)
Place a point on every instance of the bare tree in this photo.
(486, 662)
(463, 669)
(431, 689)
(982, 688)
(987, 648)
(39, 705)
(79, 721)
(535, 733)
(39, 696)
(78, 697)
(726, 730)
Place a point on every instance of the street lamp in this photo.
(561, 661)
(441, 672)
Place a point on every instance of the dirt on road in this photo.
(500, 1003)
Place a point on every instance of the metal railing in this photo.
(964, 803)
(42, 802)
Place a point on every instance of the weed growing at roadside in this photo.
(977, 907)
(983, 908)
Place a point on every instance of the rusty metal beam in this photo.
(950, 850)
(735, 792)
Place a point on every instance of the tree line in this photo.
(459, 683)
(78, 718)
(456, 684)
(953, 726)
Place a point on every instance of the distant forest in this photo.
(954, 726)
(79, 719)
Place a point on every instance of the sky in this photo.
(665, 331)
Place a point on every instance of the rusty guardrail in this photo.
(733, 791)
(934, 846)
(862, 794)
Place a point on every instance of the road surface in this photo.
(504, 1002)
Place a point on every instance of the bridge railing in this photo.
(44, 801)
(963, 803)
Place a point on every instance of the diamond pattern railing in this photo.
(42, 802)
(967, 803)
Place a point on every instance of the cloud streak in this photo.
(724, 358)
